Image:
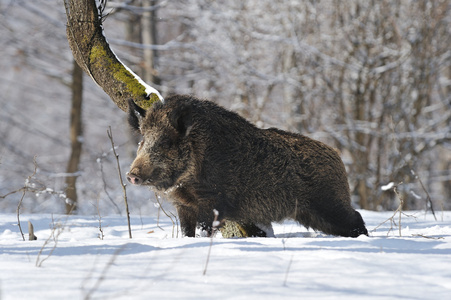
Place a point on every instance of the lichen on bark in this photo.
(99, 59)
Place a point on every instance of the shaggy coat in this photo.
(205, 157)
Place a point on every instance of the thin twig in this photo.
(124, 186)
(158, 212)
(176, 223)
(56, 227)
(18, 213)
(100, 162)
(429, 237)
(288, 270)
(401, 204)
(428, 198)
(167, 215)
(24, 190)
(102, 276)
(101, 235)
(213, 231)
(398, 210)
(29, 186)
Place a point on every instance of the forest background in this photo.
(371, 78)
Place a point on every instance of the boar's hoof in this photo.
(133, 179)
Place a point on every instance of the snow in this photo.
(388, 186)
(149, 90)
(298, 264)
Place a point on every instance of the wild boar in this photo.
(205, 157)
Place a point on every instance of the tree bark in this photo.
(93, 54)
(76, 133)
(149, 37)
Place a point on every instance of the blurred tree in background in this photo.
(371, 78)
(76, 139)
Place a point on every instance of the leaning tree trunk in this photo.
(94, 56)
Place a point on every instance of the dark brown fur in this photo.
(205, 157)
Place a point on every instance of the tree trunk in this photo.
(93, 54)
(76, 133)
(149, 37)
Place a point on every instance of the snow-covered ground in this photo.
(74, 263)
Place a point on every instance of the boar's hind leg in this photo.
(341, 221)
(188, 220)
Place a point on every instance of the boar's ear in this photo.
(135, 115)
(181, 119)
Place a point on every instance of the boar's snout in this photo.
(133, 179)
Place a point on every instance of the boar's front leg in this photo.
(188, 219)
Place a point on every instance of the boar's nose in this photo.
(133, 179)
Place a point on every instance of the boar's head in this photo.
(163, 155)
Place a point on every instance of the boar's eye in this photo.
(165, 143)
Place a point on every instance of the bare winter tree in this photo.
(384, 84)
